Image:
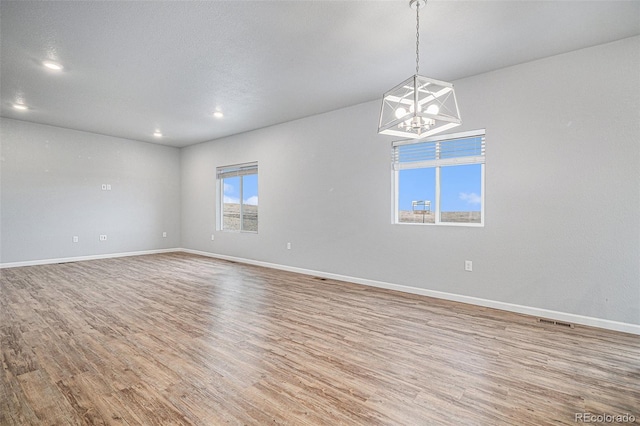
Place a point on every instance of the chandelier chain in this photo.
(417, 38)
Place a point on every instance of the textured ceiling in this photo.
(133, 67)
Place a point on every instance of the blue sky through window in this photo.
(231, 190)
(416, 185)
(460, 187)
(250, 189)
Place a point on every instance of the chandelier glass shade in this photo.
(419, 106)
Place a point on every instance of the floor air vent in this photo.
(553, 322)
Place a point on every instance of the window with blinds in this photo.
(238, 197)
(440, 180)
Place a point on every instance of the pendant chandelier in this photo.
(419, 106)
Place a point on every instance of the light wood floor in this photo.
(181, 339)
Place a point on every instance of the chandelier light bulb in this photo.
(401, 112)
(433, 109)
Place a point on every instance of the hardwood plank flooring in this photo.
(178, 339)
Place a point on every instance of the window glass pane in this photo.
(250, 203)
(416, 195)
(231, 204)
(460, 193)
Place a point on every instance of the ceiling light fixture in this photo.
(55, 66)
(218, 114)
(419, 106)
(157, 134)
(21, 107)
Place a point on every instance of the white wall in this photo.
(51, 190)
(562, 192)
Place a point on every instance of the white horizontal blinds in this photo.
(237, 170)
(455, 149)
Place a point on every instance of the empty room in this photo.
(319, 212)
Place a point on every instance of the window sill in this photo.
(469, 225)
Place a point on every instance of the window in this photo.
(238, 197)
(440, 180)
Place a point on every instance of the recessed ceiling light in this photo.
(52, 65)
(157, 134)
(20, 107)
(218, 114)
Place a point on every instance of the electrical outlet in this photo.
(103, 238)
(213, 237)
(108, 187)
(164, 235)
(75, 239)
(468, 265)
(288, 246)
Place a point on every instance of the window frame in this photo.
(452, 162)
(230, 171)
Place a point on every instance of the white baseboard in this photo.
(80, 258)
(520, 309)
